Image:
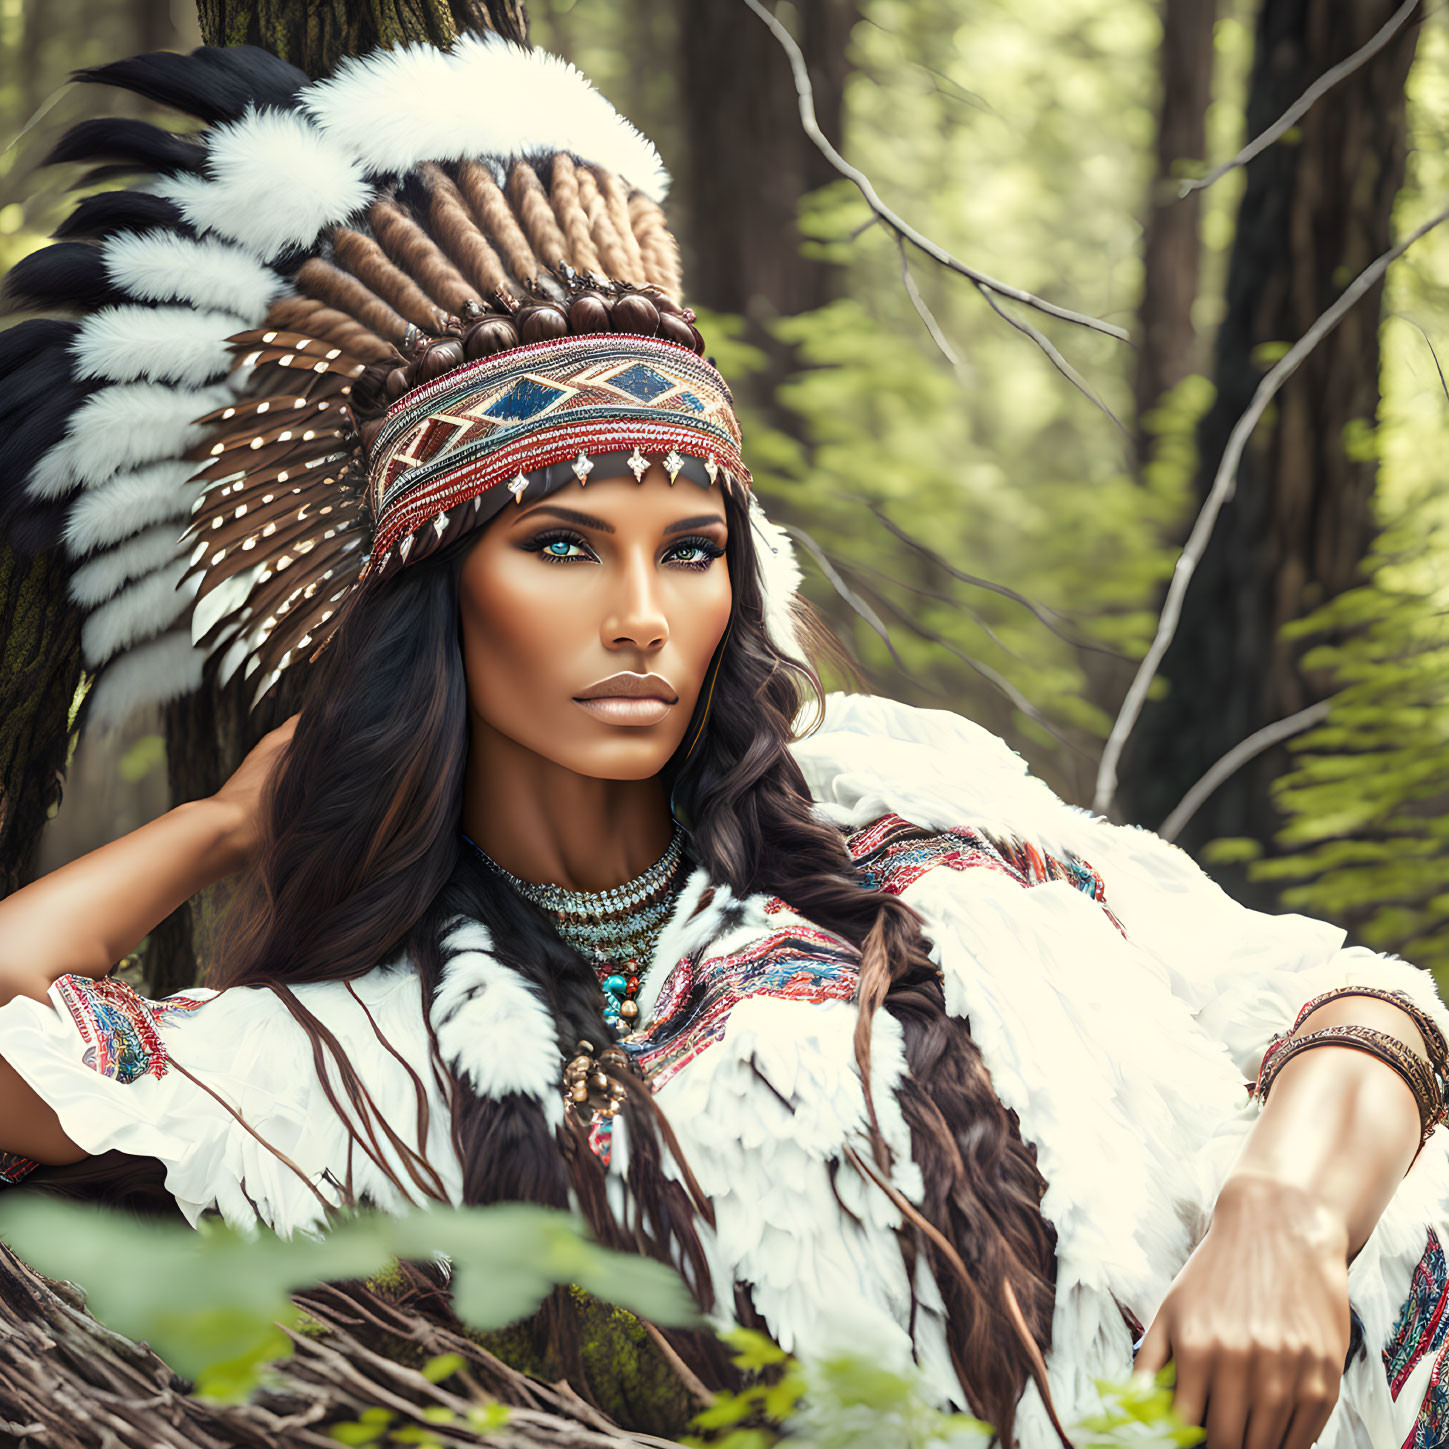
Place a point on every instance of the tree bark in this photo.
(40, 668)
(1170, 245)
(749, 163)
(1315, 212)
(315, 34)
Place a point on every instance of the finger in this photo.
(1227, 1403)
(1156, 1348)
(1268, 1419)
(1191, 1396)
(1314, 1409)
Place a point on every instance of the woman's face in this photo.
(589, 620)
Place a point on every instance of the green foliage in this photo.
(852, 1402)
(210, 1301)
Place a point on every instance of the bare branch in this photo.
(1040, 611)
(1056, 359)
(1221, 490)
(1304, 103)
(862, 182)
(1235, 759)
(924, 312)
(838, 583)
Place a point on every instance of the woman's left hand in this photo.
(1257, 1322)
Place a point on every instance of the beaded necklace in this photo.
(617, 929)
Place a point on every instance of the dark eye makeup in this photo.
(565, 546)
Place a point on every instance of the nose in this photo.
(636, 617)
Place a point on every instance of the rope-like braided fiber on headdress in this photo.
(339, 289)
(607, 241)
(456, 230)
(563, 195)
(317, 319)
(657, 245)
(617, 202)
(535, 215)
(419, 255)
(490, 208)
(367, 261)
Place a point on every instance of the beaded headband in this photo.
(494, 429)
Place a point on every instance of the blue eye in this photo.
(559, 546)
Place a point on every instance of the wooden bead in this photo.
(542, 324)
(492, 334)
(629, 1010)
(633, 313)
(397, 383)
(588, 313)
(673, 328)
(441, 357)
(580, 1093)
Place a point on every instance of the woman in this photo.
(550, 896)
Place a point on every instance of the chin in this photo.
(621, 760)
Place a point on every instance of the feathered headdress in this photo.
(345, 321)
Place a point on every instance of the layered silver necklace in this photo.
(617, 929)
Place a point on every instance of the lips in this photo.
(629, 699)
(630, 686)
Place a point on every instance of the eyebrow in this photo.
(588, 520)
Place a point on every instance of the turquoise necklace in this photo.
(616, 930)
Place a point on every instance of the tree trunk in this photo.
(1170, 246)
(315, 34)
(1315, 212)
(40, 667)
(749, 163)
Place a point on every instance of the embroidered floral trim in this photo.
(1423, 1323)
(117, 1026)
(891, 853)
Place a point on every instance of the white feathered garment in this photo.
(1122, 1038)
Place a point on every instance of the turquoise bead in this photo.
(615, 984)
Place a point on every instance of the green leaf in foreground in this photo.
(210, 1301)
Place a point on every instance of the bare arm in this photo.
(84, 917)
(87, 915)
(1258, 1320)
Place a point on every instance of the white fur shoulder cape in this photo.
(1120, 1023)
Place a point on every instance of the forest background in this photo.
(990, 518)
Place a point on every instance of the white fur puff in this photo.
(112, 511)
(492, 1028)
(159, 670)
(121, 428)
(142, 609)
(159, 266)
(484, 98)
(161, 344)
(274, 181)
(106, 574)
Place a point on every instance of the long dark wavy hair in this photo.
(363, 859)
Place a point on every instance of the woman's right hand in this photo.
(241, 796)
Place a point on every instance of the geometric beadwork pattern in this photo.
(482, 426)
(890, 853)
